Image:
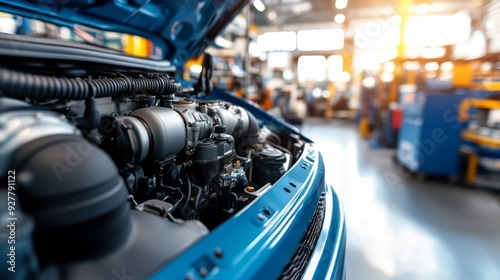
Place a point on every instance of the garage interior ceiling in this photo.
(285, 12)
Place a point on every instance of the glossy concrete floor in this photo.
(399, 227)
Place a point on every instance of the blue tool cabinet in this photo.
(429, 137)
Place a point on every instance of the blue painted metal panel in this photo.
(429, 139)
(182, 29)
(255, 245)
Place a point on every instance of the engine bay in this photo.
(206, 159)
(106, 161)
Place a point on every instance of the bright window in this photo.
(335, 65)
(473, 48)
(437, 30)
(377, 33)
(370, 59)
(277, 41)
(311, 68)
(278, 59)
(320, 40)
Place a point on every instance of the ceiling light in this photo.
(345, 77)
(433, 52)
(340, 18)
(301, 7)
(431, 66)
(288, 75)
(340, 4)
(411, 65)
(389, 66)
(446, 66)
(486, 67)
(325, 94)
(387, 77)
(272, 15)
(259, 5)
(369, 82)
(317, 92)
(422, 9)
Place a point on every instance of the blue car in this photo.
(115, 167)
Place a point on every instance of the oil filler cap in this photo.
(219, 129)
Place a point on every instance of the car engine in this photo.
(124, 168)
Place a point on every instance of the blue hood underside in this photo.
(182, 29)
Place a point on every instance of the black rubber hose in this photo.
(251, 137)
(253, 127)
(76, 196)
(21, 85)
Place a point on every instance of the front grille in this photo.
(298, 263)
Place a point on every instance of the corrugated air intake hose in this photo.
(20, 85)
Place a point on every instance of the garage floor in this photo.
(400, 227)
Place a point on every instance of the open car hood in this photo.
(182, 28)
